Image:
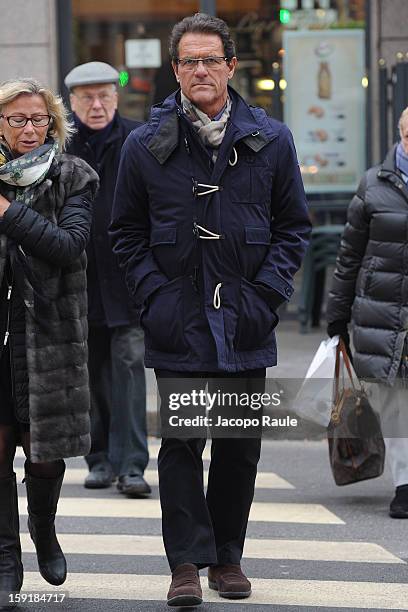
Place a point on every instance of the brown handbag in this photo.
(356, 445)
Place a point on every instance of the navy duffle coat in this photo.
(209, 250)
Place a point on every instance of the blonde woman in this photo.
(45, 218)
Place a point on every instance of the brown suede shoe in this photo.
(185, 588)
(229, 581)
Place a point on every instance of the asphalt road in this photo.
(311, 545)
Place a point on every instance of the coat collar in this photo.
(389, 172)
(388, 164)
(166, 135)
(388, 169)
(83, 134)
(250, 124)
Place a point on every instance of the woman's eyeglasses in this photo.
(17, 121)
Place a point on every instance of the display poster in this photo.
(143, 53)
(325, 106)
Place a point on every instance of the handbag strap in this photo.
(341, 350)
(347, 362)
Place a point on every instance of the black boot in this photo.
(399, 505)
(11, 568)
(42, 499)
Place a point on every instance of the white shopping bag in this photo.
(314, 399)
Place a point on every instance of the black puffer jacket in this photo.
(370, 286)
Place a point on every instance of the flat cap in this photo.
(91, 73)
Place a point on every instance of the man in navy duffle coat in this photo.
(210, 224)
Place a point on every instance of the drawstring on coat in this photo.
(235, 160)
(217, 297)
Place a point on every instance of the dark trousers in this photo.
(207, 529)
(118, 399)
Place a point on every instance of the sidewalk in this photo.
(295, 350)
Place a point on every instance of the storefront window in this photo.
(301, 60)
(304, 62)
(133, 37)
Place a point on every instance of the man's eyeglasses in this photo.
(211, 63)
(17, 121)
(88, 99)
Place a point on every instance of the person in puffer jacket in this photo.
(370, 292)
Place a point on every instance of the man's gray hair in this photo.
(201, 23)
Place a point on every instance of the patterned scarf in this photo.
(211, 132)
(25, 173)
(402, 162)
(28, 170)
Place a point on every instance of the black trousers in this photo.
(207, 529)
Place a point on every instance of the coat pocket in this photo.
(251, 182)
(163, 319)
(256, 319)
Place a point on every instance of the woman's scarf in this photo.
(25, 173)
(211, 132)
(28, 170)
(401, 161)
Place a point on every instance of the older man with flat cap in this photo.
(116, 347)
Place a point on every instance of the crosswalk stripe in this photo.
(264, 480)
(299, 550)
(153, 452)
(154, 448)
(270, 480)
(150, 508)
(278, 592)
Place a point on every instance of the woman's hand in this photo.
(4, 204)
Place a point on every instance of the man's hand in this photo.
(4, 204)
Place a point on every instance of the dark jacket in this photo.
(210, 304)
(46, 246)
(108, 299)
(370, 285)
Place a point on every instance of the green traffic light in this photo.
(123, 78)
(284, 16)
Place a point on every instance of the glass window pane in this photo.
(102, 28)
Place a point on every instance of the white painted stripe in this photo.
(264, 480)
(318, 550)
(270, 480)
(312, 593)
(153, 451)
(293, 513)
(150, 508)
(295, 550)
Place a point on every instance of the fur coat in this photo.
(46, 244)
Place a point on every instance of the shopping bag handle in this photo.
(341, 348)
